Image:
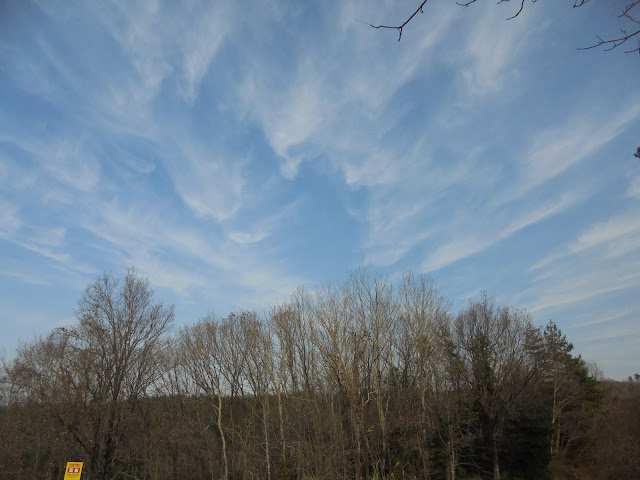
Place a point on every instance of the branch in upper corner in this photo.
(400, 27)
(612, 43)
(462, 4)
(609, 44)
(519, 10)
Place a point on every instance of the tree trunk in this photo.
(225, 462)
(451, 453)
(283, 440)
(496, 461)
(267, 454)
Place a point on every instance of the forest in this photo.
(367, 379)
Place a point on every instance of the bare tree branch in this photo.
(612, 43)
(400, 27)
(519, 10)
(609, 43)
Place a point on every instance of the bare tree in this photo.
(257, 352)
(200, 352)
(90, 376)
(372, 308)
(340, 348)
(423, 314)
(361, 380)
(299, 388)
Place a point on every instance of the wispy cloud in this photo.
(30, 279)
(10, 221)
(493, 46)
(187, 259)
(68, 162)
(574, 279)
(609, 318)
(556, 149)
(472, 242)
(204, 35)
(209, 185)
(264, 226)
(587, 288)
(618, 235)
(607, 231)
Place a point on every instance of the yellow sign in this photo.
(73, 471)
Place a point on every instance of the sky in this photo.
(232, 151)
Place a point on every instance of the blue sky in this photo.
(231, 151)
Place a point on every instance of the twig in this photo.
(400, 27)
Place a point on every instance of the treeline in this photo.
(365, 380)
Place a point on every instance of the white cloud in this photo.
(188, 259)
(493, 46)
(623, 246)
(28, 72)
(566, 200)
(588, 287)
(453, 251)
(135, 163)
(606, 319)
(51, 237)
(603, 232)
(67, 161)
(331, 103)
(395, 227)
(246, 238)
(616, 237)
(202, 41)
(288, 117)
(558, 148)
(374, 168)
(10, 221)
(30, 279)
(468, 243)
(210, 185)
(72, 164)
(264, 226)
(142, 34)
(634, 185)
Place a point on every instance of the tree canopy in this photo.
(362, 380)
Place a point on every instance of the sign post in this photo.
(73, 471)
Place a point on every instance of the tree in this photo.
(616, 434)
(257, 352)
(339, 348)
(90, 377)
(298, 388)
(421, 345)
(628, 15)
(358, 381)
(371, 305)
(200, 353)
(560, 380)
(495, 347)
(576, 396)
